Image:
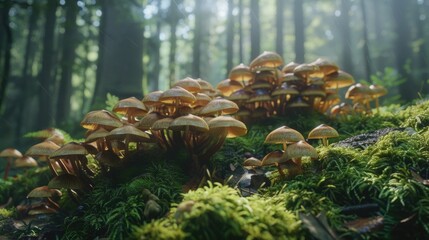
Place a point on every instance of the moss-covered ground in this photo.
(376, 193)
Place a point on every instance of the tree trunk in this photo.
(67, 62)
(121, 52)
(365, 47)
(279, 26)
(196, 54)
(378, 27)
(7, 51)
(240, 31)
(154, 77)
(229, 38)
(298, 15)
(255, 30)
(173, 19)
(346, 59)
(400, 8)
(46, 96)
(422, 53)
(26, 70)
(101, 50)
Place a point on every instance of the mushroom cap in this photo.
(129, 132)
(358, 91)
(68, 150)
(273, 158)
(202, 99)
(290, 78)
(261, 84)
(10, 153)
(44, 148)
(97, 134)
(322, 131)
(314, 91)
(283, 134)
(162, 124)
(301, 149)
(285, 89)
(152, 98)
(44, 192)
(288, 68)
(190, 122)
(234, 127)
(304, 70)
(25, 161)
(377, 90)
(298, 102)
(326, 67)
(130, 105)
(206, 87)
(252, 162)
(147, 121)
(42, 209)
(177, 95)
(190, 84)
(100, 118)
(67, 181)
(228, 86)
(57, 139)
(219, 106)
(46, 133)
(260, 95)
(239, 95)
(241, 72)
(266, 61)
(338, 79)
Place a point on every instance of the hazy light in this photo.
(337, 13)
(98, 12)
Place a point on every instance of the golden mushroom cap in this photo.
(100, 118)
(219, 106)
(274, 158)
(201, 99)
(358, 91)
(190, 84)
(322, 131)
(189, 122)
(233, 127)
(206, 87)
(129, 132)
(177, 95)
(25, 161)
(130, 105)
(228, 86)
(239, 95)
(298, 102)
(285, 89)
(314, 91)
(43, 192)
(241, 73)
(283, 134)
(305, 70)
(377, 90)
(288, 68)
(44, 148)
(68, 150)
(252, 162)
(266, 61)
(301, 149)
(260, 95)
(10, 153)
(338, 79)
(326, 67)
(152, 99)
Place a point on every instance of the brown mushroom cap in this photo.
(202, 99)
(189, 122)
(283, 134)
(97, 134)
(241, 73)
(274, 158)
(326, 67)
(147, 121)
(109, 158)
(219, 106)
(130, 106)
(234, 127)
(67, 181)
(177, 95)
(100, 118)
(314, 91)
(301, 149)
(338, 79)
(68, 150)
(298, 102)
(358, 91)
(206, 87)
(162, 124)
(152, 99)
(129, 132)
(190, 84)
(42, 209)
(239, 95)
(10, 153)
(44, 192)
(228, 86)
(252, 162)
(305, 70)
(285, 89)
(377, 90)
(44, 148)
(266, 61)
(323, 131)
(288, 68)
(25, 161)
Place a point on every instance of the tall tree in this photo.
(229, 37)
(400, 10)
(378, 28)
(298, 16)
(240, 31)
(122, 37)
(154, 77)
(46, 78)
(173, 18)
(4, 24)
(423, 62)
(255, 30)
(67, 61)
(346, 59)
(279, 26)
(365, 47)
(198, 29)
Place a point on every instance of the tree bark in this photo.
(279, 26)
(422, 53)
(196, 54)
(67, 62)
(240, 31)
(154, 79)
(346, 59)
(298, 15)
(366, 55)
(255, 30)
(173, 13)
(229, 38)
(7, 51)
(46, 97)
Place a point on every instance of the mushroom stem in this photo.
(6, 170)
(282, 174)
(377, 105)
(54, 172)
(325, 142)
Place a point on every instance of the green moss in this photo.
(416, 116)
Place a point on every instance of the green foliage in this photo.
(111, 101)
(235, 217)
(390, 79)
(416, 116)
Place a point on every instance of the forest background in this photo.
(60, 59)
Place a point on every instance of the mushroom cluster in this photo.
(266, 87)
(293, 150)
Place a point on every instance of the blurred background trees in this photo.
(60, 58)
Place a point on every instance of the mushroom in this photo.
(127, 134)
(219, 106)
(43, 149)
(300, 149)
(100, 118)
(275, 158)
(9, 154)
(190, 84)
(176, 97)
(25, 162)
(266, 61)
(283, 135)
(323, 132)
(288, 68)
(338, 80)
(376, 92)
(130, 107)
(241, 73)
(252, 163)
(46, 193)
(228, 86)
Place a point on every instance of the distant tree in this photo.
(156, 62)
(67, 62)
(366, 55)
(240, 31)
(298, 16)
(7, 31)
(279, 26)
(229, 37)
(173, 18)
(255, 30)
(346, 59)
(422, 54)
(46, 76)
